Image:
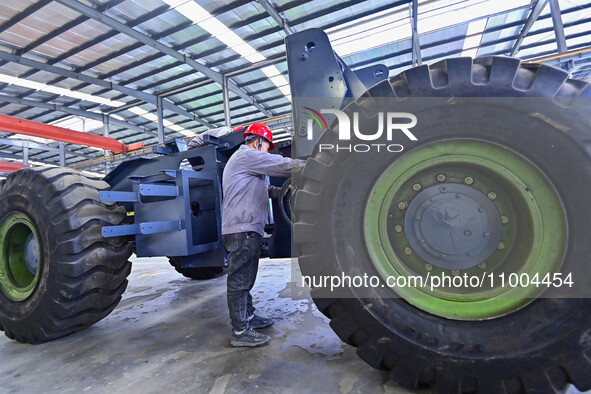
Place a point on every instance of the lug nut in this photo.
(504, 219)
(501, 246)
(407, 251)
(482, 265)
(401, 205)
(455, 272)
(492, 195)
(468, 180)
(428, 267)
(416, 187)
(441, 177)
(398, 228)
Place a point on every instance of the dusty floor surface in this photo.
(170, 333)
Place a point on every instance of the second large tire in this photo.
(536, 345)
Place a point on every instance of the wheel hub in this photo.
(453, 226)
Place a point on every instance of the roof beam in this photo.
(281, 20)
(99, 82)
(25, 13)
(77, 112)
(531, 19)
(27, 144)
(416, 45)
(114, 24)
(558, 27)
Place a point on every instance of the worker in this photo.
(246, 193)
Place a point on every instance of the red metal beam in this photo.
(9, 166)
(36, 129)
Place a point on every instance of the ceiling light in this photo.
(59, 91)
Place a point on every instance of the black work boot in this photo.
(249, 337)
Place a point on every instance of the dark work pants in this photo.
(243, 263)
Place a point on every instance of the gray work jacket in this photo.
(246, 188)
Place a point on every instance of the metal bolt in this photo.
(504, 219)
(418, 217)
(398, 228)
(501, 246)
(416, 187)
(486, 235)
(401, 205)
(468, 180)
(467, 233)
(492, 195)
(455, 272)
(480, 209)
(407, 251)
(433, 199)
(441, 177)
(428, 267)
(442, 189)
(482, 265)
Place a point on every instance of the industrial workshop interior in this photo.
(295, 196)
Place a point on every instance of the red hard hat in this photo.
(261, 130)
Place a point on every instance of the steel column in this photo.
(226, 98)
(416, 46)
(160, 114)
(558, 26)
(62, 149)
(25, 155)
(106, 132)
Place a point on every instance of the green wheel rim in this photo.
(533, 235)
(17, 279)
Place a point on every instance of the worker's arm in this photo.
(262, 163)
(199, 138)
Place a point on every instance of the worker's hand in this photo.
(274, 192)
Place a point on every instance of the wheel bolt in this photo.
(482, 265)
(468, 180)
(492, 195)
(441, 177)
(401, 205)
(455, 272)
(428, 267)
(416, 187)
(501, 246)
(407, 251)
(398, 228)
(504, 219)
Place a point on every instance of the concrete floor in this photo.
(172, 333)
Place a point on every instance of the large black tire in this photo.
(81, 274)
(203, 273)
(542, 345)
